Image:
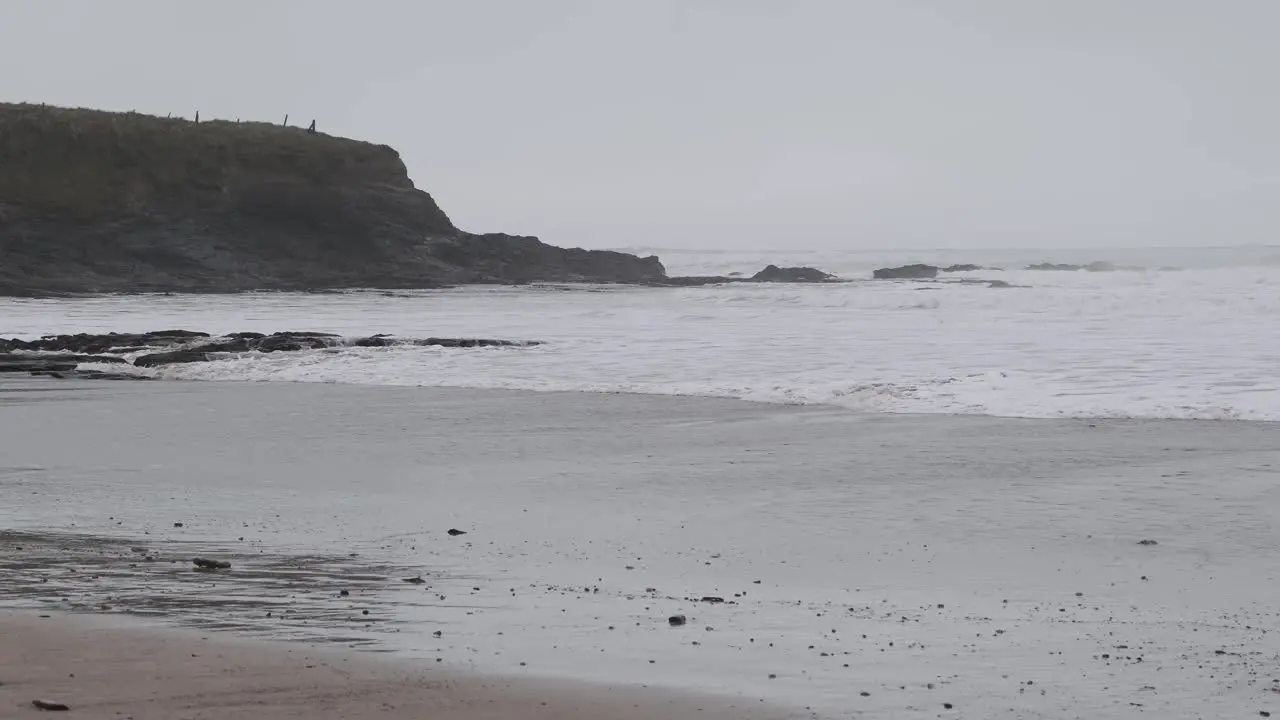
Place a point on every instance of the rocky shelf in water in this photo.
(63, 355)
(771, 274)
(929, 274)
(922, 271)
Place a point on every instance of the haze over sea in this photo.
(1190, 336)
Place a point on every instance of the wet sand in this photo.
(886, 565)
(111, 670)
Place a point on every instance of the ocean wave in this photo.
(996, 393)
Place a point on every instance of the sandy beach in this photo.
(894, 566)
(117, 670)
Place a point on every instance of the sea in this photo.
(1175, 333)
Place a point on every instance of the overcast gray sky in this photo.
(732, 123)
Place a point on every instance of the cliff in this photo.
(93, 201)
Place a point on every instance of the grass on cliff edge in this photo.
(89, 163)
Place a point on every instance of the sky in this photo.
(732, 123)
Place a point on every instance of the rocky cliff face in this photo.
(94, 201)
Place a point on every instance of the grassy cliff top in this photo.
(91, 163)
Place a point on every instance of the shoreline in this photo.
(90, 381)
(104, 668)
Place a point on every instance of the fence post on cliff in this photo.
(197, 117)
(286, 120)
(312, 129)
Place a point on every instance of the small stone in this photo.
(49, 705)
(456, 532)
(344, 593)
(1148, 542)
(947, 706)
(864, 693)
(205, 564)
(712, 599)
(415, 580)
(177, 524)
(677, 620)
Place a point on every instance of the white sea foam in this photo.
(1197, 343)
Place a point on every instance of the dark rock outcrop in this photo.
(96, 344)
(963, 267)
(94, 201)
(773, 273)
(174, 357)
(60, 355)
(1055, 267)
(10, 362)
(907, 272)
(474, 342)
(698, 280)
(1098, 266)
